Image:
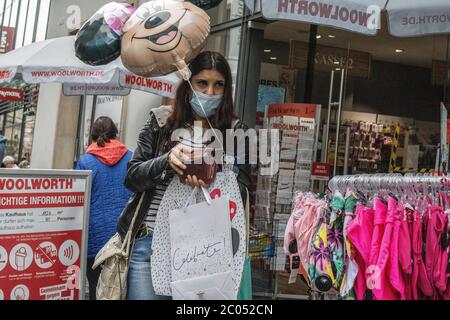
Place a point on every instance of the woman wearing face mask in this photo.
(157, 160)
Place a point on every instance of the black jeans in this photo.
(92, 276)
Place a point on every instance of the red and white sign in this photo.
(320, 171)
(41, 231)
(6, 75)
(163, 86)
(11, 94)
(301, 110)
(66, 75)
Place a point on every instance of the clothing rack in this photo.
(390, 183)
(417, 206)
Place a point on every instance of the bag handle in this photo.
(194, 193)
(127, 241)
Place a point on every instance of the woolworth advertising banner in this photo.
(43, 233)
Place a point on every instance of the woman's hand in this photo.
(178, 156)
(193, 181)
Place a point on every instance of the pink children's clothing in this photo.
(293, 224)
(380, 211)
(372, 271)
(308, 224)
(390, 250)
(359, 233)
(446, 294)
(420, 282)
(394, 270)
(405, 251)
(436, 255)
(301, 226)
(383, 289)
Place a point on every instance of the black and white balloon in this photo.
(99, 40)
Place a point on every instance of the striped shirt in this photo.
(150, 219)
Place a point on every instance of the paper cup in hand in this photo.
(201, 165)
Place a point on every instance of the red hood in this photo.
(110, 154)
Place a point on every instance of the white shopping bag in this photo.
(200, 238)
(217, 286)
(201, 248)
(174, 198)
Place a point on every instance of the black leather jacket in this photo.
(149, 167)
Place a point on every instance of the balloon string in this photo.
(203, 109)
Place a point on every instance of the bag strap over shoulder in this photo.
(127, 240)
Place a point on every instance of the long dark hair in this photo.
(222, 119)
(103, 131)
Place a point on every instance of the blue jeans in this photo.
(140, 286)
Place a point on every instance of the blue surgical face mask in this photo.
(210, 104)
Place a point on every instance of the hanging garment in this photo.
(336, 237)
(440, 273)
(319, 268)
(388, 251)
(314, 210)
(379, 218)
(431, 242)
(359, 233)
(293, 225)
(372, 271)
(301, 227)
(405, 253)
(326, 265)
(447, 293)
(442, 276)
(351, 266)
(400, 251)
(443, 281)
(420, 283)
(435, 253)
(382, 288)
(394, 269)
